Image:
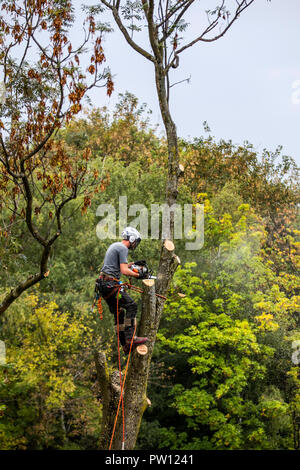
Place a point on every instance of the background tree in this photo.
(46, 396)
(45, 85)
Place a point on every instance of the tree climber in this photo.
(115, 263)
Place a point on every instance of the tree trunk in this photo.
(173, 165)
(135, 393)
(110, 394)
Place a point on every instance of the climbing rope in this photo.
(98, 300)
(100, 308)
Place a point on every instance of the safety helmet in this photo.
(132, 235)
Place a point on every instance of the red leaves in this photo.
(52, 90)
(92, 26)
(86, 203)
(109, 86)
(34, 75)
(91, 69)
(98, 56)
(86, 154)
(57, 23)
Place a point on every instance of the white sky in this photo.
(242, 84)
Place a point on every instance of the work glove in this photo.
(143, 273)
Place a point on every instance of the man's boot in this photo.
(129, 331)
(137, 340)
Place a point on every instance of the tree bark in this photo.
(171, 132)
(110, 394)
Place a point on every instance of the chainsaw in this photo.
(142, 269)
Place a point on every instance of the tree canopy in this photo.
(223, 374)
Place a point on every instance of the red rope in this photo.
(100, 308)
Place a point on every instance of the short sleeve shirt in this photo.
(116, 254)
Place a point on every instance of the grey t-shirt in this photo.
(116, 254)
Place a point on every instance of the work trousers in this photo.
(127, 311)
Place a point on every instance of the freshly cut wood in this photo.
(148, 401)
(169, 245)
(142, 349)
(149, 282)
(181, 295)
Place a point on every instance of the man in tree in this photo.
(119, 302)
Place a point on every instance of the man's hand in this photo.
(124, 268)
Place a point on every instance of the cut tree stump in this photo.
(169, 245)
(142, 349)
(180, 170)
(149, 282)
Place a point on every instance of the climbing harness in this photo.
(138, 266)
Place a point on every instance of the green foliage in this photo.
(228, 339)
(222, 375)
(45, 390)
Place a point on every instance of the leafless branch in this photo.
(125, 33)
(242, 6)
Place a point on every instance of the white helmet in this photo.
(132, 235)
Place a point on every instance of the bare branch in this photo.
(176, 21)
(125, 33)
(172, 12)
(242, 6)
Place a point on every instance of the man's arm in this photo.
(126, 271)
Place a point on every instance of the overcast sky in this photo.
(242, 84)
